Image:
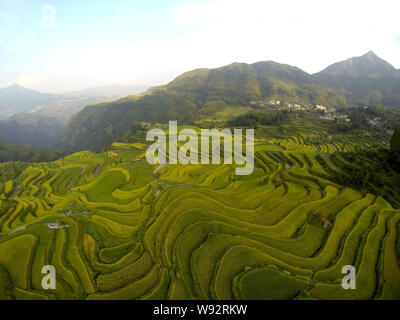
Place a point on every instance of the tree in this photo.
(342, 125)
(395, 143)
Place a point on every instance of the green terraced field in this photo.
(130, 231)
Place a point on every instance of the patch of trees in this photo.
(395, 144)
(137, 132)
(257, 118)
(374, 171)
(13, 152)
(343, 125)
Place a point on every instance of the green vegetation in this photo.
(257, 118)
(13, 152)
(129, 231)
(269, 284)
(31, 129)
(395, 144)
(371, 171)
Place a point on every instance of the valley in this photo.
(37, 119)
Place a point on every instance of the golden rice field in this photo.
(129, 231)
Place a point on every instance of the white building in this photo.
(274, 102)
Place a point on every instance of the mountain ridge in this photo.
(109, 90)
(367, 65)
(15, 99)
(31, 129)
(204, 92)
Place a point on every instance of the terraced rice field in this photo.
(129, 231)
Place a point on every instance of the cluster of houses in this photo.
(328, 112)
(274, 103)
(321, 108)
(297, 106)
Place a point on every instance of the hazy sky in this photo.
(58, 45)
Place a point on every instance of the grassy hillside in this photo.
(204, 93)
(364, 80)
(128, 230)
(192, 96)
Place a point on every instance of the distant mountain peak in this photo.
(16, 99)
(14, 88)
(372, 57)
(370, 53)
(13, 85)
(367, 65)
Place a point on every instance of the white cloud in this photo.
(6, 84)
(310, 34)
(29, 80)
